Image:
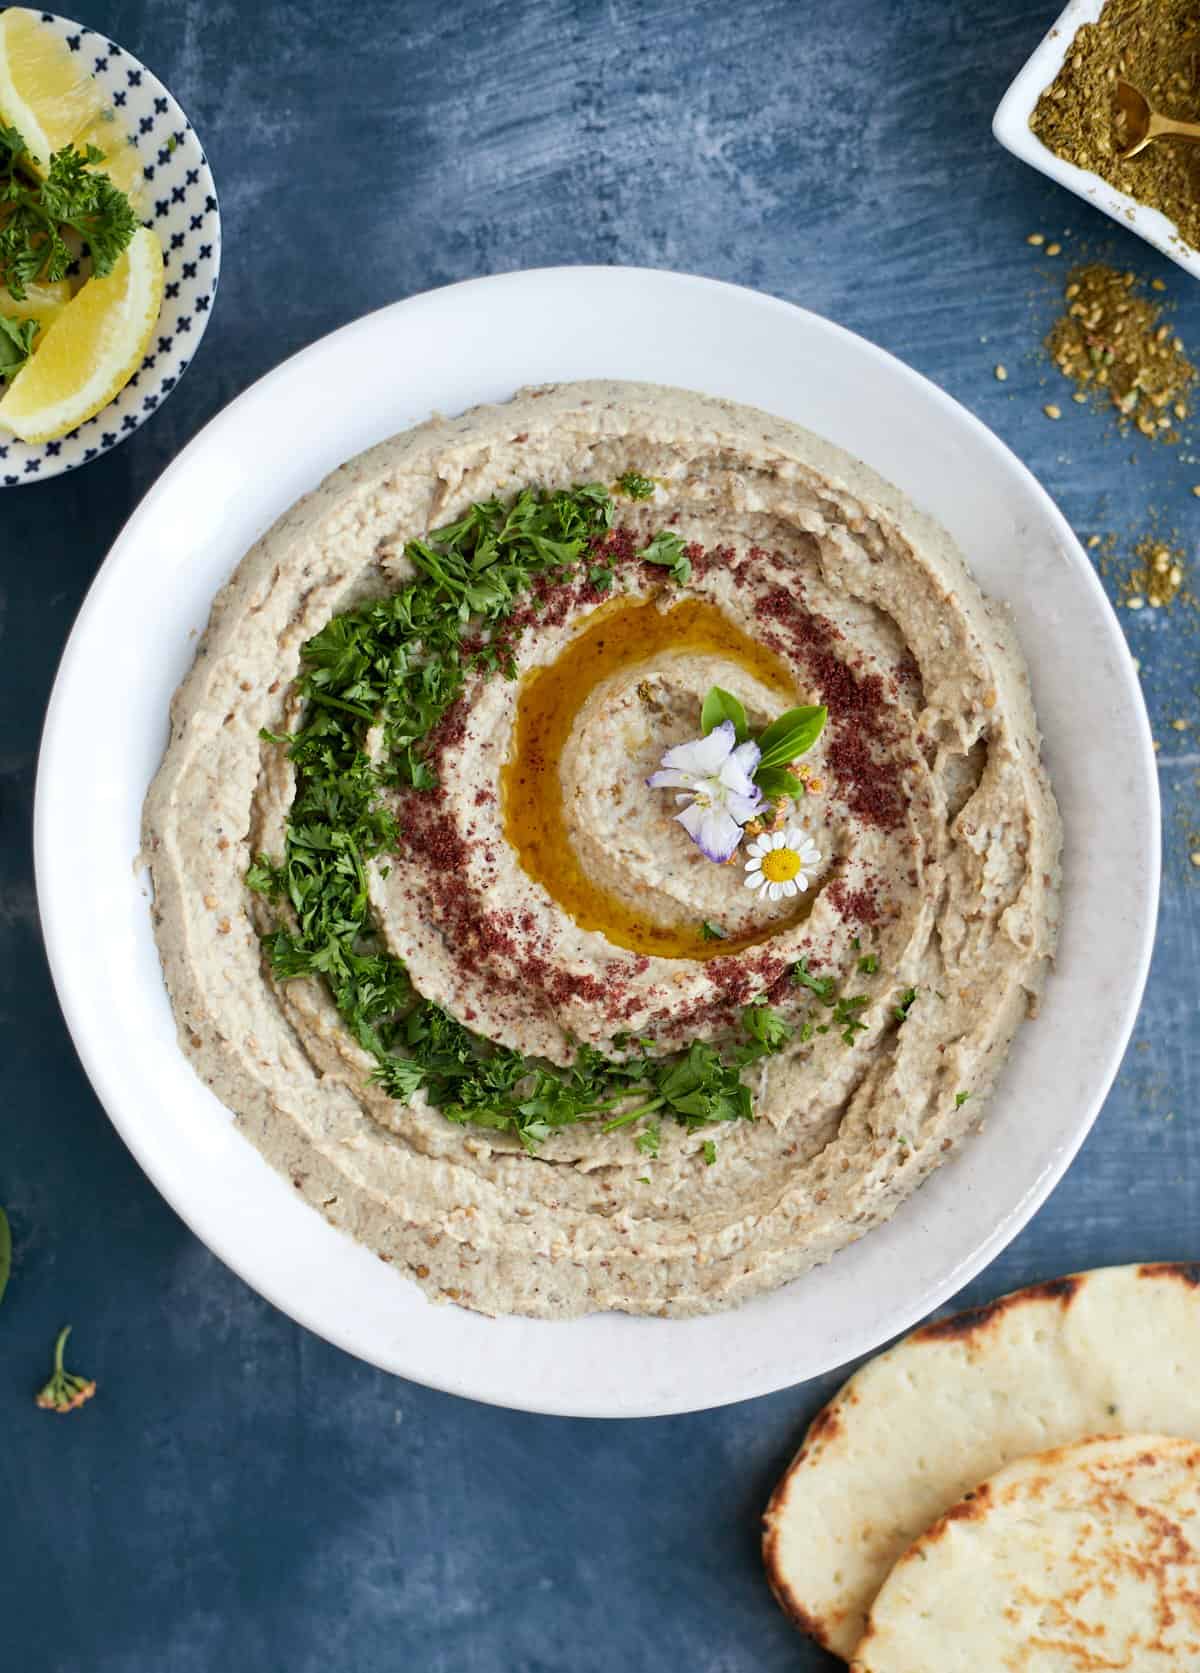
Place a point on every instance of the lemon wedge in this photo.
(92, 349)
(42, 302)
(122, 164)
(46, 92)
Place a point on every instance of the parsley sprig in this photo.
(400, 663)
(37, 213)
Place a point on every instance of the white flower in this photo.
(713, 776)
(782, 863)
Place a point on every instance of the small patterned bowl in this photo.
(181, 205)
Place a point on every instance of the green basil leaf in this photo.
(792, 735)
(776, 783)
(5, 1252)
(719, 706)
(668, 549)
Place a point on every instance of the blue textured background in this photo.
(239, 1495)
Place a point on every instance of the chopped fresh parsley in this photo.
(846, 1008)
(635, 486)
(905, 1005)
(16, 343)
(710, 1153)
(647, 1142)
(601, 575)
(668, 549)
(768, 1031)
(868, 964)
(397, 664)
(822, 986)
(712, 932)
(960, 1099)
(40, 216)
(846, 1016)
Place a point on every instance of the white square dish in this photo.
(1011, 127)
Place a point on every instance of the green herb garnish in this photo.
(710, 1153)
(846, 1016)
(868, 964)
(647, 1142)
(768, 1031)
(398, 664)
(905, 1005)
(667, 548)
(822, 986)
(792, 735)
(776, 783)
(635, 486)
(16, 343)
(712, 932)
(960, 1099)
(36, 214)
(720, 706)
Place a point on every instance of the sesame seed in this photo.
(1051, 411)
(1036, 239)
(1195, 856)
(1134, 603)
(1002, 374)
(1158, 284)
(1054, 249)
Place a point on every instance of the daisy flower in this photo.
(782, 863)
(714, 778)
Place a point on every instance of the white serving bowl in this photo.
(107, 724)
(1011, 127)
(180, 203)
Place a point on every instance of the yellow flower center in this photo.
(780, 865)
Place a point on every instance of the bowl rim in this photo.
(55, 457)
(1010, 125)
(466, 1377)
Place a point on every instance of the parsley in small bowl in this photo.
(109, 245)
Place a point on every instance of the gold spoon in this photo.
(1143, 124)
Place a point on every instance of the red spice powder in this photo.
(857, 906)
(867, 775)
(867, 779)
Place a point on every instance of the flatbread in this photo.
(1085, 1557)
(1116, 1350)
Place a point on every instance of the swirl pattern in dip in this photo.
(547, 900)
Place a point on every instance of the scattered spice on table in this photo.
(1156, 45)
(1113, 343)
(1157, 576)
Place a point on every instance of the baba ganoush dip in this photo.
(557, 980)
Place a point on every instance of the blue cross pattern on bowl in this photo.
(179, 200)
